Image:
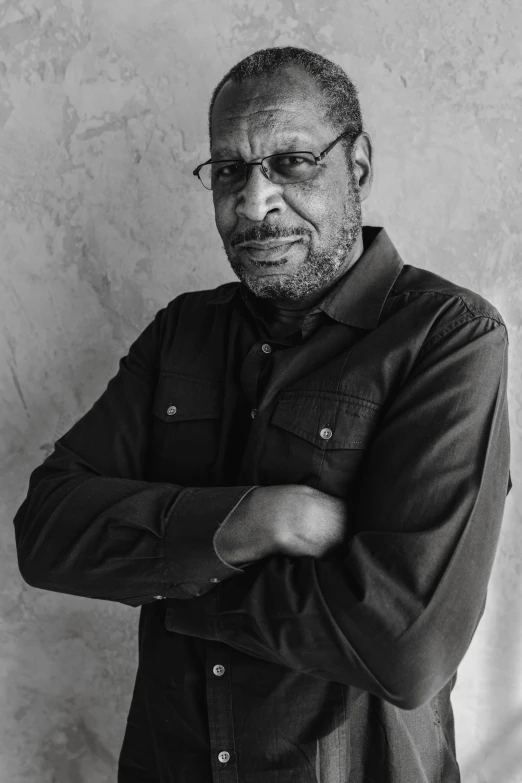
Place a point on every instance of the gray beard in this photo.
(316, 271)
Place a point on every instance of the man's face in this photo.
(285, 242)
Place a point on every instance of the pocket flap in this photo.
(327, 420)
(180, 398)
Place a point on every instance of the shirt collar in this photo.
(359, 296)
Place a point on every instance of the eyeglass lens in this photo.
(283, 169)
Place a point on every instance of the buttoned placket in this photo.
(254, 365)
(220, 714)
(253, 368)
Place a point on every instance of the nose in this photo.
(259, 197)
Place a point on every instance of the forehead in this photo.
(286, 107)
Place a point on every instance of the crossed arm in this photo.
(294, 520)
(387, 601)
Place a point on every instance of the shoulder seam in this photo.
(451, 327)
(472, 309)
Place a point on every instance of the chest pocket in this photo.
(185, 429)
(319, 439)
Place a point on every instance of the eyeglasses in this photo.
(285, 168)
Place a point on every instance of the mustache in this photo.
(260, 233)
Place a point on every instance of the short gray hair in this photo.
(343, 109)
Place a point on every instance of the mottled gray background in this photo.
(102, 119)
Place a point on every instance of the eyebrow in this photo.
(285, 145)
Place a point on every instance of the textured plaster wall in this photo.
(102, 119)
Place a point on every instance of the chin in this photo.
(275, 287)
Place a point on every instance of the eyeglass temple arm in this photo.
(325, 152)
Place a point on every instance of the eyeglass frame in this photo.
(317, 159)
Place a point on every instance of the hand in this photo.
(307, 522)
(294, 520)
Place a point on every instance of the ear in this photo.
(362, 164)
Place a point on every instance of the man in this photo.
(309, 466)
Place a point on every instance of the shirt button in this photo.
(326, 433)
(219, 670)
(266, 348)
(253, 413)
(159, 597)
(214, 579)
(224, 756)
(171, 410)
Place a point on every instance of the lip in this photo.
(269, 250)
(262, 243)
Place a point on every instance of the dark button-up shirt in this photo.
(338, 669)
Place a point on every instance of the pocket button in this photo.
(326, 433)
(171, 410)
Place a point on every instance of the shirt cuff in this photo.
(193, 565)
(220, 528)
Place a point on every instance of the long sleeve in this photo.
(394, 612)
(93, 525)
